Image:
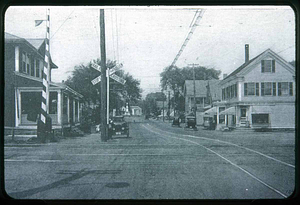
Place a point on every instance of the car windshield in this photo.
(118, 119)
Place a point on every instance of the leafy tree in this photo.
(175, 77)
(150, 102)
(81, 77)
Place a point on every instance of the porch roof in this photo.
(211, 111)
(228, 111)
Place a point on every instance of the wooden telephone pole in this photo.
(104, 125)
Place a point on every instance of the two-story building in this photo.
(206, 92)
(260, 93)
(24, 62)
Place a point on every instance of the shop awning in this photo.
(261, 109)
(228, 111)
(211, 111)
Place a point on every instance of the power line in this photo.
(189, 35)
(62, 24)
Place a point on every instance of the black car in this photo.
(118, 126)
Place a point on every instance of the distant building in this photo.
(259, 93)
(23, 64)
(207, 92)
(136, 110)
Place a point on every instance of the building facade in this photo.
(24, 62)
(258, 94)
(206, 92)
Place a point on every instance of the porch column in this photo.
(78, 111)
(240, 91)
(218, 116)
(17, 107)
(74, 116)
(59, 106)
(250, 116)
(68, 109)
(17, 58)
(237, 121)
(226, 120)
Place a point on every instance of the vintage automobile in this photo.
(176, 121)
(190, 122)
(118, 126)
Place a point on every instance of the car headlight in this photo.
(114, 128)
(123, 128)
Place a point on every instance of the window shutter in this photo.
(262, 89)
(274, 89)
(273, 66)
(262, 66)
(279, 89)
(245, 89)
(291, 89)
(257, 89)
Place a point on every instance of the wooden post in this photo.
(104, 128)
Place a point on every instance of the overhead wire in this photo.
(189, 35)
(62, 24)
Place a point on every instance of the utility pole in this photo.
(104, 127)
(195, 105)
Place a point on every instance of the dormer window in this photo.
(268, 66)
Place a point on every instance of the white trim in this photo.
(239, 91)
(74, 114)
(68, 108)
(59, 119)
(17, 58)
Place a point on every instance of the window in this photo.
(285, 89)
(291, 89)
(260, 118)
(268, 66)
(266, 88)
(23, 63)
(37, 68)
(27, 64)
(249, 89)
(235, 90)
(32, 67)
(223, 94)
(257, 89)
(53, 103)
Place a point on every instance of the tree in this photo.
(175, 77)
(150, 102)
(81, 77)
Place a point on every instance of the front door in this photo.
(243, 112)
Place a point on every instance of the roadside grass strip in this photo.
(227, 160)
(229, 143)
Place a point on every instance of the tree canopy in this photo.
(82, 75)
(174, 77)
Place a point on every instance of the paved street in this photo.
(157, 161)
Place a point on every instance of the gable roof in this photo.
(201, 89)
(36, 44)
(239, 69)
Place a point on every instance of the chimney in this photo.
(224, 75)
(246, 53)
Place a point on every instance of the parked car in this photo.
(176, 121)
(118, 126)
(191, 122)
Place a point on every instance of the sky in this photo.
(147, 39)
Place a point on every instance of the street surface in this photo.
(157, 161)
